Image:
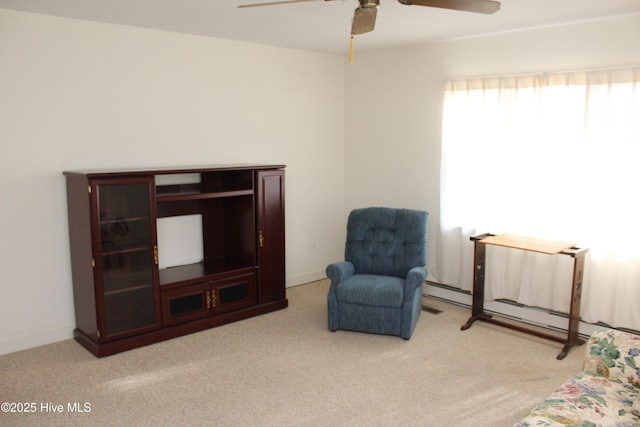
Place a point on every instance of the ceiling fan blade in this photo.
(273, 3)
(478, 6)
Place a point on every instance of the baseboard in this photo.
(35, 339)
(534, 316)
(50, 336)
(303, 279)
(554, 321)
(558, 322)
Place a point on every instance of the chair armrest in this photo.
(415, 277)
(339, 271)
(614, 354)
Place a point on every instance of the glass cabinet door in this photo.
(126, 266)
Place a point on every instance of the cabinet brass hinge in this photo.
(261, 238)
(213, 298)
(93, 263)
(208, 299)
(89, 189)
(98, 334)
(155, 255)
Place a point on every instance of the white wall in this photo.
(83, 95)
(394, 103)
(76, 94)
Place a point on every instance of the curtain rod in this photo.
(548, 73)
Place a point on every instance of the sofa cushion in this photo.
(587, 399)
(614, 354)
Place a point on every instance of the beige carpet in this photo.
(287, 369)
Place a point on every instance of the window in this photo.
(554, 156)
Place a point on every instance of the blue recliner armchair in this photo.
(378, 288)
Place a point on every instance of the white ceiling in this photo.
(325, 26)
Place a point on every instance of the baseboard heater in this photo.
(548, 319)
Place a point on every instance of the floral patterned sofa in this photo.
(605, 393)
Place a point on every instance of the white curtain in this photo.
(553, 156)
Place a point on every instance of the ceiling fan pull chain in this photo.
(351, 50)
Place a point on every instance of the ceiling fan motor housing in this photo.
(368, 4)
(364, 18)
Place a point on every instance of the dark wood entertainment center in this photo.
(123, 300)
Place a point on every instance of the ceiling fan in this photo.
(364, 18)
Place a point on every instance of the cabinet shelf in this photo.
(198, 195)
(196, 271)
(125, 250)
(119, 280)
(117, 220)
(127, 289)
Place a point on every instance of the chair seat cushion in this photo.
(372, 290)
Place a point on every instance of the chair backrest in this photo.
(386, 241)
